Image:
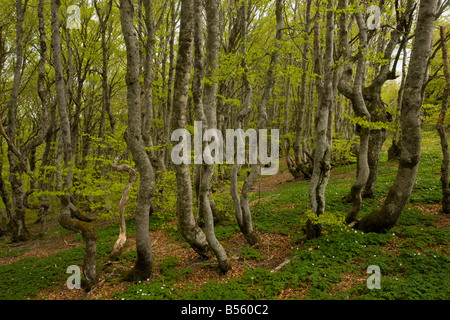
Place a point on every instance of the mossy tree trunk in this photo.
(372, 93)
(386, 217)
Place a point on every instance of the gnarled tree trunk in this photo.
(17, 223)
(209, 116)
(355, 95)
(242, 206)
(372, 93)
(135, 141)
(386, 217)
(66, 218)
(132, 176)
(186, 221)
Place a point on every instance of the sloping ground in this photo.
(274, 250)
(414, 257)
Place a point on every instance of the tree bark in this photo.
(135, 141)
(372, 93)
(17, 223)
(386, 217)
(355, 95)
(245, 225)
(322, 154)
(169, 103)
(441, 125)
(132, 176)
(186, 221)
(206, 112)
(66, 220)
(298, 168)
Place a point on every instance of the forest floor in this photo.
(413, 256)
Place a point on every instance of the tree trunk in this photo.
(243, 218)
(394, 149)
(104, 16)
(385, 218)
(298, 168)
(441, 126)
(120, 242)
(186, 221)
(376, 140)
(243, 214)
(143, 266)
(372, 93)
(66, 220)
(197, 90)
(321, 169)
(210, 113)
(355, 95)
(18, 228)
(169, 104)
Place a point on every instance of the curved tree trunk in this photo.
(17, 223)
(386, 217)
(135, 141)
(66, 220)
(247, 228)
(120, 242)
(372, 93)
(376, 140)
(297, 167)
(17, 155)
(243, 215)
(355, 95)
(210, 114)
(186, 221)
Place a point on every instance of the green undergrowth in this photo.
(319, 267)
(412, 257)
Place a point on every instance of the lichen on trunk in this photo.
(386, 217)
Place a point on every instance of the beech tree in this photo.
(321, 169)
(241, 204)
(187, 223)
(70, 217)
(441, 125)
(135, 141)
(210, 117)
(386, 217)
(17, 164)
(91, 96)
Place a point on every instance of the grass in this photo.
(413, 256)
